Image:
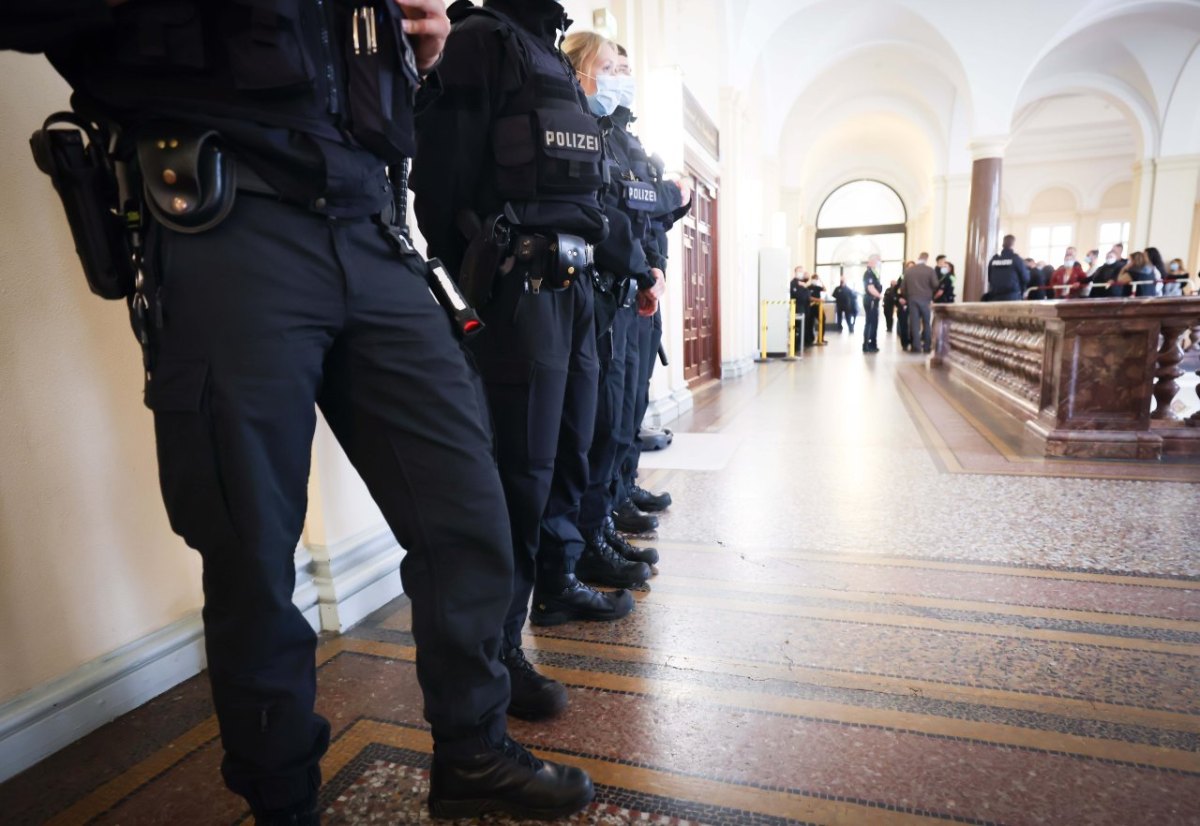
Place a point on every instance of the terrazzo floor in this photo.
(874, 606)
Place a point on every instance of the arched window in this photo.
(856, 221)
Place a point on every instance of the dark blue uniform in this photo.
(871, 308)
(1008, 276)
(298, 299)
(511, 134)
(635, 199)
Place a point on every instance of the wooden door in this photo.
(701, 352)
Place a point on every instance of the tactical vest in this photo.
(546, 146)
(1002, 276)
(294, 64)
(631, 182)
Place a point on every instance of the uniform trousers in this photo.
(871, 328)
(274, 312)
(537, 358)
(649, 337)
(614, 327)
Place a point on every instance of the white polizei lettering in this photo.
(572, 140)
(1003, 262)
(647, 195)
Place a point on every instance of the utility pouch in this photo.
(86, 181)
(190, 181)
(556, 258)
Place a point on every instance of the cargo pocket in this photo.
(188, 461)
(546, 396)
(266, 53)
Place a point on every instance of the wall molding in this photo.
(49, 717)
(356, 576)
(736, 368)
(666, 409)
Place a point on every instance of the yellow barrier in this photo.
(762, 315)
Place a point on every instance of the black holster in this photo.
(489, 243)
(85, 178)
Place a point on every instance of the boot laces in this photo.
(512, 749)
(516, 659)
(607, 552)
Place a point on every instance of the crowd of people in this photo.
(1143, 274)
(907, 305)
(906, 301)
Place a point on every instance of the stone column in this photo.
(983, 221)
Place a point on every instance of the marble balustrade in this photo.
(1090, 378)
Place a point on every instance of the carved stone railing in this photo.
(1091, 378)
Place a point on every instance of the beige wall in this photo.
(87, 560)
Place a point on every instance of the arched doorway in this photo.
(858, 220)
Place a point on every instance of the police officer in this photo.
(626, 270)
(510, 161)
(632, 507)
(872, 294)
(275, 279)
(1007, 274)
(945, 274)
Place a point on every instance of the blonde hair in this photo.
(582, 49)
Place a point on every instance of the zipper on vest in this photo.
(327, 54)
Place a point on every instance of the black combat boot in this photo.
(506, 779)
(631, 520)
(533, 696)
(569, 599)
(622, 546)
(651, 502)
(604, 566)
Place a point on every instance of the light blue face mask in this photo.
(628, 87)
(607, 97)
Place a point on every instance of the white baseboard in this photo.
(737, 368)
(49, 717)
(40, 722)
(666, 409)
(355, 577)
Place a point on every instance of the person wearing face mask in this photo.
(508, 176)
(672, 200)
(1179, 274)
(945, 290)
(623, 271)
(1100, 278)
(1068, 280)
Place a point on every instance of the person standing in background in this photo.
(889, 305)
(920, 283)
(872, 295)
(945, 290)
(846, 304)
(1069, 279)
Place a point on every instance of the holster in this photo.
(85, 179)
(190, 181)
(489, 243)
